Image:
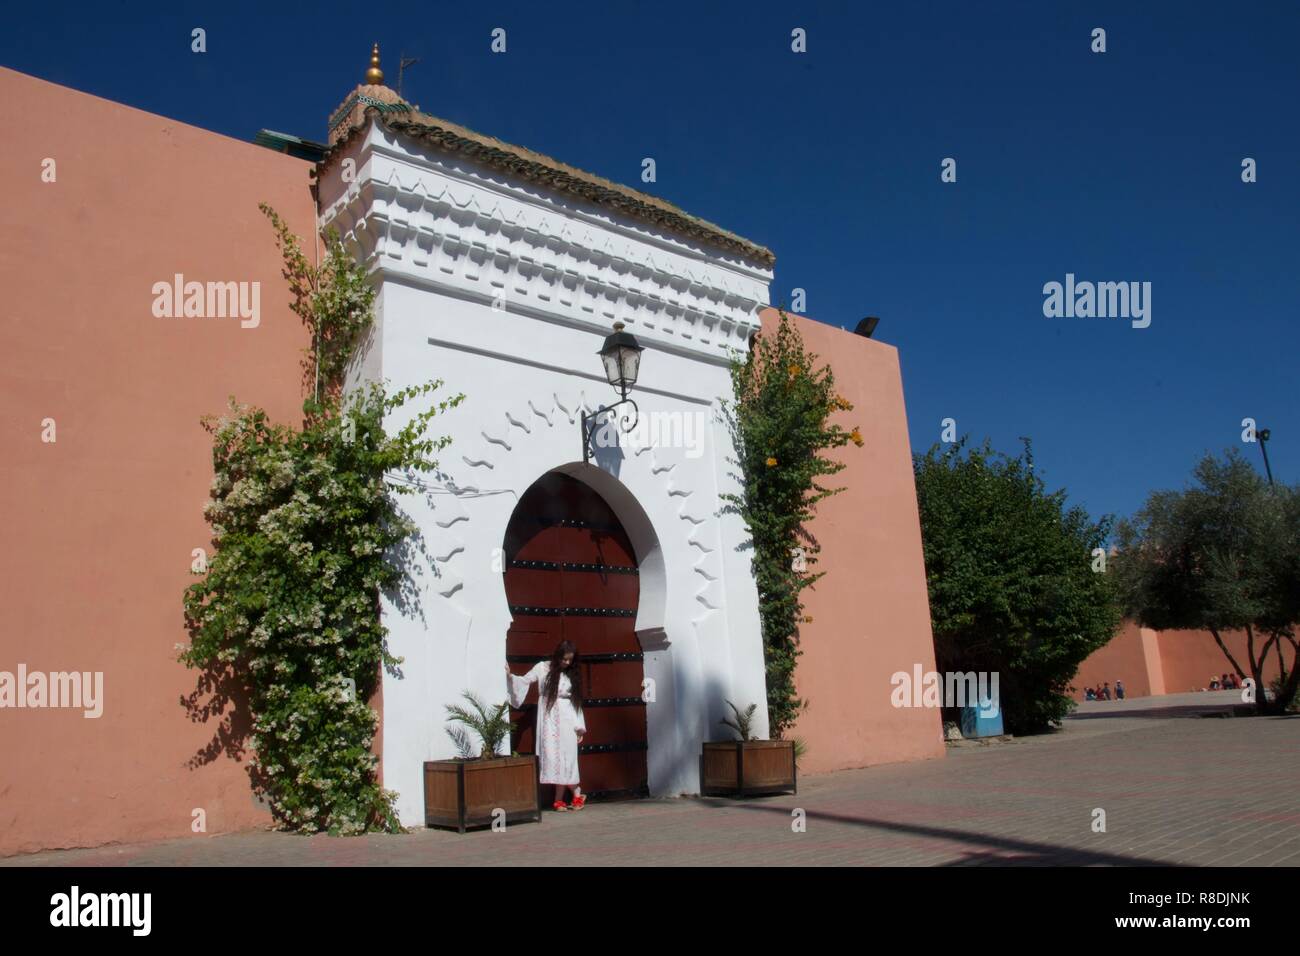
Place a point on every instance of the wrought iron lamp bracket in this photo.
(627, 421)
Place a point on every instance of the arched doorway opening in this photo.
(571, 574)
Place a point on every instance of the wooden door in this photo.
(571, 574)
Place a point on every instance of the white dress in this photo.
(557, 729)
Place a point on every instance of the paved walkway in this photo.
(1175, 789)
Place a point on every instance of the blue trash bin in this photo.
(978, 722)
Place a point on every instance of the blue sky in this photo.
(1122, 166)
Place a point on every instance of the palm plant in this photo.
(743, 722)
(490, 724)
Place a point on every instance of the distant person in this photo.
(1226, 682)
(1105, 690)
(1119, 690)
(1214, 683)
(1089, 693)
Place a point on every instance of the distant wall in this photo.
(1191, 657)
(1122, 659)
(871, 611)
(100, 525)
(1152, 663)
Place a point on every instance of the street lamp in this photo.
(621, 356)
(1263, 435)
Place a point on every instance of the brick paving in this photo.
(1177, 789)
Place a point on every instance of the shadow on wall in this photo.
(412, 555)
(711, 729)
(222, 695)
(606, 445)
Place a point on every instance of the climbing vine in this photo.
(305, 526)
(780, 422)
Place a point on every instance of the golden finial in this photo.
(374, 75)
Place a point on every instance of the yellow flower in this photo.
(807, 619)
(856, 436)
(794, 370)
(771, 463)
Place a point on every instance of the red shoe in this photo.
(579, 801)
(559, 806)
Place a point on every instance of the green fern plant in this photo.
(743, 724)
(490, 724)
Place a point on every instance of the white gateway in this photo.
(502, 272)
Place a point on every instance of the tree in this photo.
(1222, 555)
(1010, 576)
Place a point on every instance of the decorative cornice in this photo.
(529, 166)
(441, 226)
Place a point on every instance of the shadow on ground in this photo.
(1003, 851)
(1164, 713)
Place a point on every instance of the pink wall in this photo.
(871, 612)
(1189, 658)
(1122, 659)
(1165, 662)
(99, 526)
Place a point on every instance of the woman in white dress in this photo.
(560, 725)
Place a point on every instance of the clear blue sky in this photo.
(1122, 166)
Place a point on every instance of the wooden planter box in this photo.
(464, 793)
(745, 768)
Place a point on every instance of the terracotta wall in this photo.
(871, 613)
(99, 526)
(1189, 658)
(1165, 662)
(1122, 659)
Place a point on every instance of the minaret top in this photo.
(374, 75)
(370, 93)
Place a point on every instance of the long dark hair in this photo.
(552, 690)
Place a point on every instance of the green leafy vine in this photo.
(286, 620)
(780, 423)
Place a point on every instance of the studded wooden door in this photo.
(571, 574)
